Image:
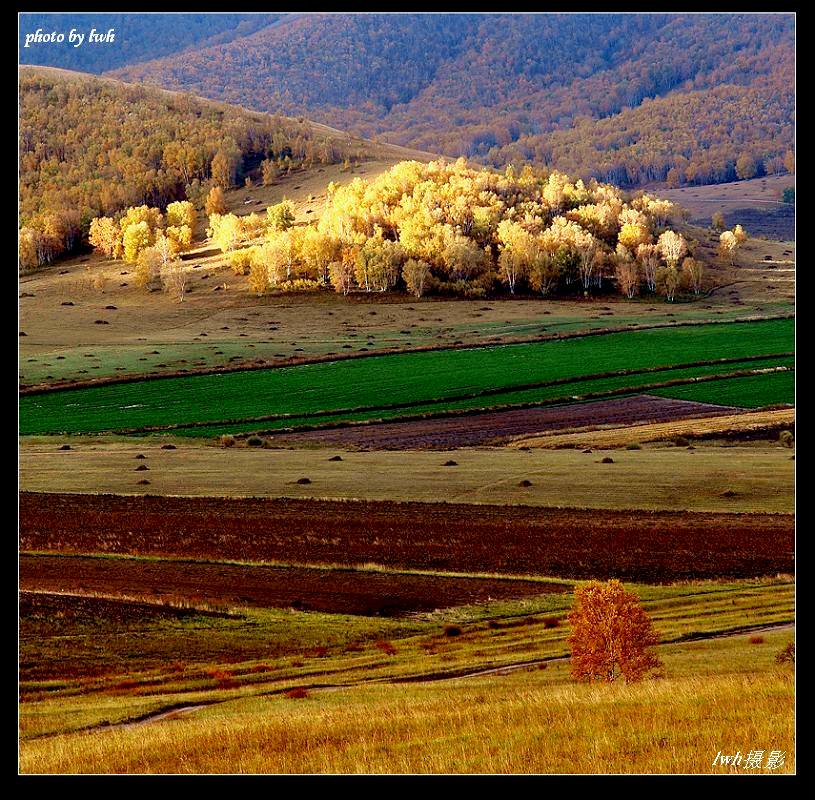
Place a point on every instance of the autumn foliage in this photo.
(624, 98)
(90, 148)
(611, 635)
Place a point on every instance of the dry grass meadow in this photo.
(752, 477)
(751, 422)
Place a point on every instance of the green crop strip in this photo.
(395, 380)
(752, 391)
(574, 391)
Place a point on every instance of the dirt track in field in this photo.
(336, 591)
(498, 427)
(635, 545)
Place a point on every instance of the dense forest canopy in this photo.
(91, 146)
(138, 37)
(440, 227)
(642, 94)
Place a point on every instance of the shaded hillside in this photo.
(710, 130)
(501, 87)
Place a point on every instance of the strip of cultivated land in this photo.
(658, 546)
(760, 382)
(497, 427)
(740, 425)
(750, 391)
(754, 477)
(335, 591)
(410, 381)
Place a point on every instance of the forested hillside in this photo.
(716, 135)
(625, 97)
(91, 146)
(138, 37)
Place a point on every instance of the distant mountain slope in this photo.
(139, 37)
(709, 131)
(477, 84)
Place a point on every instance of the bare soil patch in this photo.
(339, 591)
(499, 427)
(641, 546)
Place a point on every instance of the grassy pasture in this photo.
(150, 335)
(409, 378)
(656, 477)
(364, 715)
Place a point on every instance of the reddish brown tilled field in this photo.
(55, 608)
(630, 545)
(497, 427)
(328, 590)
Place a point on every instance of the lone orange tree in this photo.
(611, 634)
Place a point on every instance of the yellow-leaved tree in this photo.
(611, 634)
(215, 202)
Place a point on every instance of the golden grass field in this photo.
(525, 719)
(749, 422)
(658, 477)
(485, 726)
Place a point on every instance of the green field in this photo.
(247, 341)
(753, 391)
(437, 378)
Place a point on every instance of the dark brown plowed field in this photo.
(631, 545)
(329, 590)
(498, 427)
(45, 609)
